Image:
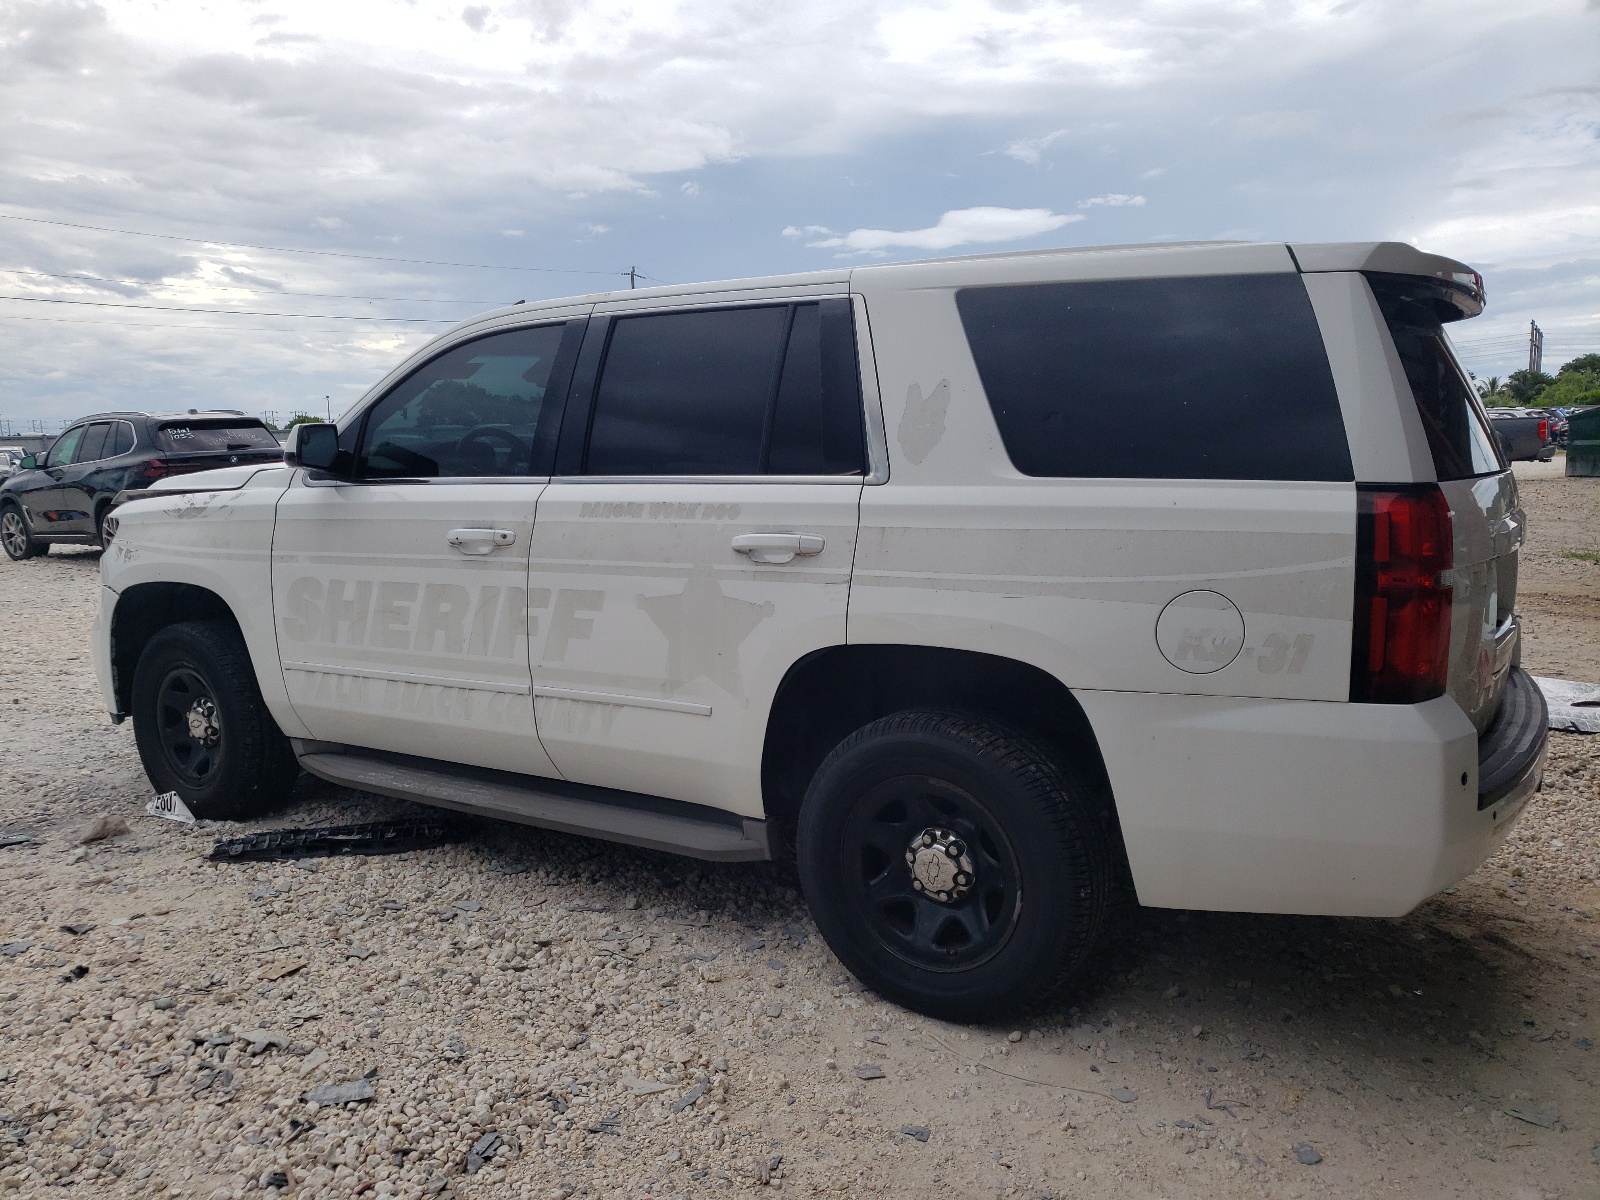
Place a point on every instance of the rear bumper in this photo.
(1511, 751)
(1300, 806)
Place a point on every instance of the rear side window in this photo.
(1220, 377)
(734, 391)
(214, 437)
(1458, 436)
(93, 446)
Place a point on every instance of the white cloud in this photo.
(597, 229)
(794, 231)
(1154, 173)
(689, 188)
(1269, 126)
(1112, 200)
(474, 16)
(511, 233)
(959, 227)
(1029, 150)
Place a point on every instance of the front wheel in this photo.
(954, 866)
(15, 535)
(202, 728)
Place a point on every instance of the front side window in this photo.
(1212, 377)
(1452, 416)
(61, 453)
(769, 389)
(93, 446)
(472, 412)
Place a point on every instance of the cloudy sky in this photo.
(259, 204)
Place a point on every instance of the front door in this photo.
(44, 491)
(401, 596)
(696, 542)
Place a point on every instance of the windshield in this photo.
(1452, 416)
(192, 437)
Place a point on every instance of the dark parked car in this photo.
(62, 496)
(1523, 433)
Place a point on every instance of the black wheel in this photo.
(953, 866)
(15, 535)
(100, 525)
(201, 726)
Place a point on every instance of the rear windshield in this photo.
(210, 437)
(1458, 437)
(1218, 377)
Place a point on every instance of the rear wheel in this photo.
(15, 535)
(953, 865)
(202, 728)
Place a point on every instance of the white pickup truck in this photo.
(991, 585)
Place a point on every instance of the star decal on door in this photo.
(704, 629)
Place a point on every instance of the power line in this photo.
(419, 262)
(156, 325)
(236, 312)
(244, 287)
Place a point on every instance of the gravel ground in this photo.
(605, 1022)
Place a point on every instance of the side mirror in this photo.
(313, 446)
(28, 463)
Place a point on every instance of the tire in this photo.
(100, 524)
(15, 535)
(991, 819)
(202, 728)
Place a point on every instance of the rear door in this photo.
(1487, 516)
(696, 542)
(400, 597)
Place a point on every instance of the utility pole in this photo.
(633, 278)
(328, 404)
(1535, 347)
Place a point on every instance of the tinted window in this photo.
(214, 437)
(686, 393)
(816, 423)
(61, 452)
(122, 439)
(740, 391)
(1460, 443)
(473, 411)
(1223, 377)
(93, 446)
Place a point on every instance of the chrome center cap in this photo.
(203, 724)
(940, 866)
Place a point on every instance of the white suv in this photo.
(990, 582)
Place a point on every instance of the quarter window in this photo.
(1220, 377)
(121, 441)
(766, 389)
(477, 410)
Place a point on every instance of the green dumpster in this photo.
(1583, 443)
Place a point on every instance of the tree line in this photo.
(1576, 383)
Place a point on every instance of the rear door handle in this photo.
(480, 541)
(778, 547)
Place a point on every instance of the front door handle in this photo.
(480, 541)
(778, 547)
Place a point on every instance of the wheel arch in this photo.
(831, 692)
(145, 609)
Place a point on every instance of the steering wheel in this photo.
(480, 437)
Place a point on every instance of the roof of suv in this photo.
(1395, 258)
(167, 416)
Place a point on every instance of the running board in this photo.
(617, 816)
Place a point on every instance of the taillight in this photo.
(1544, 429)
(150, 470)
(1404, 555)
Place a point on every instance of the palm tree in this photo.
(1491, 388)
